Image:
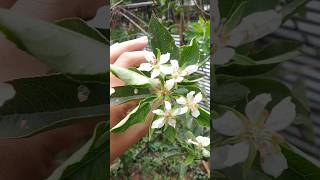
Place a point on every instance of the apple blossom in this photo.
(167, 116)
(257, 128)
(177, 73)
(155, 66)
(201, 142)
(191, 102)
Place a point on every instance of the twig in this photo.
(203, 11)
(133, 22)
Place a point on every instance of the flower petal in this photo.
(172, 122)
(256, 26)
(166, 69)
(150, 57)
(223, 56)
(7, 92)
(190, 141)
(204, 141)
(237, 153)
(158, 112)
(197, 98)
(191, 69)
(169, 84)
(255, 108)
(175, 64)
(205, 153)
(228, 124)
(180, 111)
(274, 164)
(190, 95)
(281, 116)
(155, 73)
(229, 155)
(179, 79)
(164, 58)
(195, 112)
(167, 105)
(181, 100)
(159, 123)
(145, 67)
(112, 90)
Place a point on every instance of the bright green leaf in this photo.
(162, 39)
(130, 77)
(189, 54)
(137, 115)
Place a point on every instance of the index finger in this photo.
(133, 45)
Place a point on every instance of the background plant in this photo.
(75, 92)
(156, 93)
(248, 64)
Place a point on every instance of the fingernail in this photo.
(143, 39)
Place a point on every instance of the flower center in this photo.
(176, 74)
(259, 135)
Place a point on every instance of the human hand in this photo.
(126, 54)
(57, 9)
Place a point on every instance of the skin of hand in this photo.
(34, 157)
(126, 54)
(57, 9)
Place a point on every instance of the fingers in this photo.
(126, 60)
(119, 143)
(120, 111)
(7, 3)
(133, 45)
(130, 59)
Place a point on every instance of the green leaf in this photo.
(130, 77)
(192, 79)
(235, 17)
(127, 93)
(299, 91)
(89, 162)
(170, 133)
(230, 93)
(225, 7)
(137, 115)
(59, 48)
(43, 103)
(291, 8)
(306, 127)
(301, 166)
(204, 118)
(276, 88)
(263, 61)
(189, 159)
(258, 6)
(80, 26)
(189, 54)
(162, 39)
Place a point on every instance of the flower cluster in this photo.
(170, 74)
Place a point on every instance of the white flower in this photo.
(112, 90)
(251, 28)
(7, 92)
(201, 142)
(177, 73)
(156, 66)
(167, 116)
(191, 102)
(259, 128)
